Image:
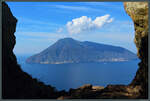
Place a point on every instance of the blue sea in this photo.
(66, 76)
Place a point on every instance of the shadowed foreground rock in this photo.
(18, 84)
(15, 82)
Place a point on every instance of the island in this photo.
(69, 50)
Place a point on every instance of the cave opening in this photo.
(103, 70)
(76, 76)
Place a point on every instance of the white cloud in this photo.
(59, 30)
(85, 23)
(111, 20)
(71, 7)
(77, 8)
(40, 35)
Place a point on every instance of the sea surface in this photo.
(66, 76)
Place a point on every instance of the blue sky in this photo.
(40, 24)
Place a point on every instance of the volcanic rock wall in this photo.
(15, 82)
(138, 11)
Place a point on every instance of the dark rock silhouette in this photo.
(18, 84)
(68, 50)
(15, 82)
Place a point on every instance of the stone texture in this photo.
(138, 11)
(15, 82)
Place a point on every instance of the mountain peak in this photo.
(68, 50)
(68, 38)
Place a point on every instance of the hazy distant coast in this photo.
(68, 50)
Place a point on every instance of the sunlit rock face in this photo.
(138, 11)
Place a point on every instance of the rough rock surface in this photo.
(15, 82)
(18, 84)
(138, 11)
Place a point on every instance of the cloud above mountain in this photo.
(85, 23)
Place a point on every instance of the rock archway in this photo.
(18, 84)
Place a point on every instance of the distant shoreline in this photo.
(85, 62)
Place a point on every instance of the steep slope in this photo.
(68, 50)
